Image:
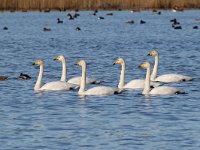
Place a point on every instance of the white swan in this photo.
(133, 84)
(75, 80)
(161, 90)
(51, 86)
(165, 77)
(100, 90)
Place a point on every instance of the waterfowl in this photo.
(161, 90)
(23, 76)
(195, 27)
(50, 86)
(5, 28)
(100, 18)
(133, 84)
(165, 77)
(76, 15)
(109, 14)
(130, 22)
(142, 22)
(47, 10)
(70, 16)
(78, 29)
(177, 27)
(75, 80)
(2, 78)
(174, 21)
(46, 29)
(59, 21)
(100, 90)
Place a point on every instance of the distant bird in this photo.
(174, 21)
(59, 21)
(100, 18)
(95, 13)
(70, 16)
(159, 13)
(130, 22)
(177, 27)
(5, 28)
(78, 29)
(76, 15)
(154, 10)
(142, 22)
(109, 14)
(46, 29)
(47, 10)
(3, 78)
(195, 27)
(23, 76)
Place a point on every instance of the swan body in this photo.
(51, 86)
(56, 86)
(133, 84)
(161, 90)
(173, 78)
(165, 77)
(100, 90)
(165, 90)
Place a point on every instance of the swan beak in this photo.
(56, 58)
(33, 63)
(150, 54)
(77, 63)
(116, 62)
(141, 65)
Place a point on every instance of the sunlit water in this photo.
(63, 120)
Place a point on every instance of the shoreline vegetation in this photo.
(62, 5)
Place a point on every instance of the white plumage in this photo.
(133, 84)
(100, 90)
(161, 90)
(51, 86)
(165, 77)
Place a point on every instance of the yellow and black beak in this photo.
(150, 54)
(141, 65)
(116, 62)
(56, 58)
(77, 63)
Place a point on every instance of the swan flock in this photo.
(150, 85)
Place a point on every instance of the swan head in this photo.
(60, 58)
(118, 61)
(81, 63)
(153, 53)
(38, 62)
(145, 65)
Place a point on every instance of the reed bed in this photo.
(96, 4)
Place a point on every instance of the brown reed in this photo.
(96, 4)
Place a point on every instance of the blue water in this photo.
(63, 120)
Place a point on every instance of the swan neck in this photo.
(64, 72)
(122, 76)
(155, 69)
(83, 80)
(39, 79)
(147, 82)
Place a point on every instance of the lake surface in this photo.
(63, 120)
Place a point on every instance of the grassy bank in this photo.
(96, 4)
